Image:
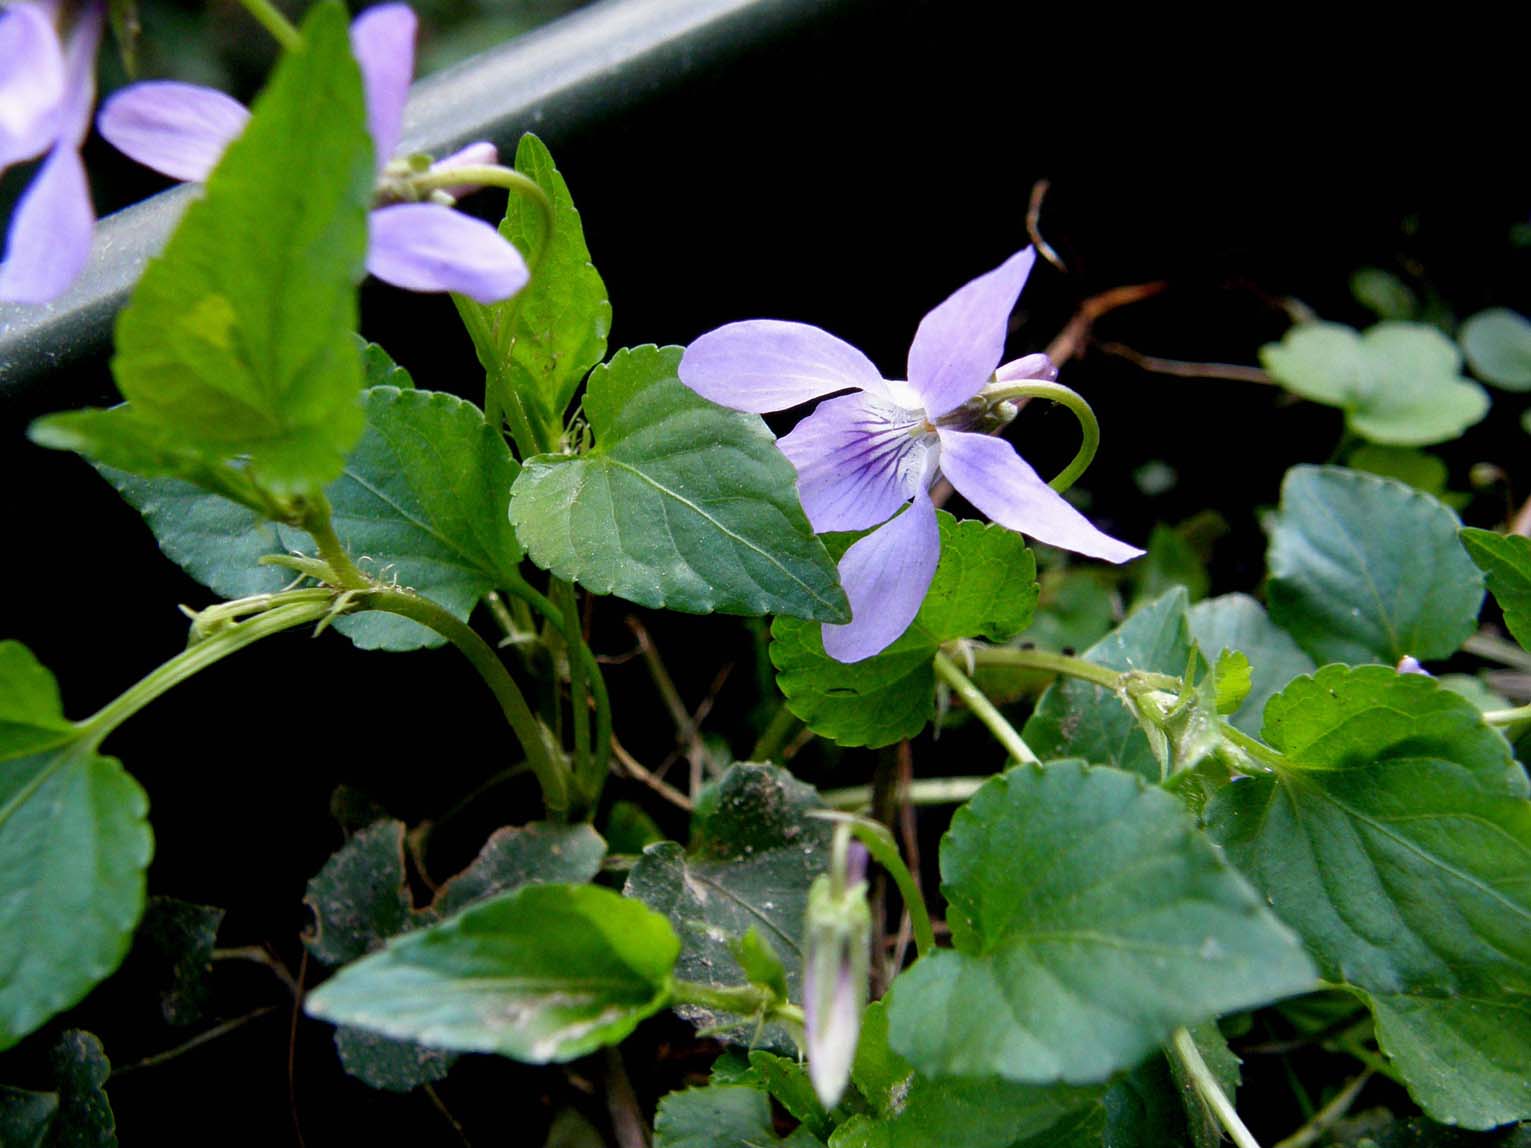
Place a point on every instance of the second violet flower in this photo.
(869, 458)
(182, 130)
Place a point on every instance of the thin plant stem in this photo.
(743, 1000)
(1322, 1120)
(1508, 717)
(1207, 1086)
(1089, 428)
(773, 739)
(878, 839)
(270, 18)
(319, 522)
(551, 773)
(1497, 649)
(984, 710)
(489, 175)
(1049, 662)
(926, 791)
(574, 641)
(503, 404)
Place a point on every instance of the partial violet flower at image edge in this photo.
(182, 130)
(869, 458)
(47, 88)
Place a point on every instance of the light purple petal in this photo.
(49, 238)
(885, 576)
(80, 46)
(989, 474)
(383, 39)
(31, 83)
(764, 365)
(960, 343)
(427, 247)
(857, 461)
(1027, 367)
(180, 130)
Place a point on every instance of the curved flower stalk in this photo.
(47, 87)
(864, 457)
(182, 130)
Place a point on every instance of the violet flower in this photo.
(837, 935)
(863, 457)
(182, 131)
(47, 86)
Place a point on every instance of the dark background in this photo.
(850, 174)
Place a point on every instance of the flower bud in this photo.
(838, 934)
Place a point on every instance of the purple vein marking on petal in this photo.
(383, 40)
(428, 247)
(31, 83)
(851, 459)
(764, 365)
(885, 576)
(959, 344)
(989, 474)
(49, 238)
(178, 129)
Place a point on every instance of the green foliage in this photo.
(1364, 569)
(1416, 468)
(541, 342)
(181, 936)
(721, 1116)
(1232, 681)
(1078, 719)
(76, 1113)
(547, 973)
(239, 338)
(74, 847)
(754, 852)
(680, 503)
(1156, 1106)
(1505, 560)
(1398, 383)
(1395, 838)
(1090, 920)
(984, 587)
(1497, 343)
(1383, 294)
(1238, 622)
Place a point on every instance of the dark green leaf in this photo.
(547, 973)
(359, 898)
(1383, 294)
(1412, 467)
(629, 829)
(388, 1064)
(1172, 560)
(1364, 569)
(1505, 560)
(1078, 719)
(1396, 840)
(80, 1069)
(544, 339)
(240, 336)
(721, 1116)
(1090, 920)
(1497, 343)
(679, 504)
(1399, 383)
(787, 1081)
(74, 847)
(754, 852)
(984, 587)
(1238, 622)
(179, 936)
(539, 853)
(26, 1118)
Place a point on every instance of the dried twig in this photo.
(1033, 225)
(197, 1041)
(638, 773)
(1075, 335)
(1184, 370)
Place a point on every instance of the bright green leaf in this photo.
(544, 339)
(1078, 719)
(680, 503)
(1238, 622)
(1398, 383)
(240, 336)
(1090, 920)
(1364, 569)
(74, 847)
(1497, 343)
(1231, 680)
(788, 1082)
(984, 587)
(754, 852)
(722, 1116)
(1505, 560)
(1412, 467)
(379, 369)
(547, 973)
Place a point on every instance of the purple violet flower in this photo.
(863, 457)
(182, 131)
(47, 86)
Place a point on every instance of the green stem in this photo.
(1089, 428)
(281, 28)
(879, 842)
(552, 774)
(929, 791)
(1327, 1116)
(774, 739)
(1212, 1092)
(1256, 749)
(501, 396)
(984, 710)
(317, 520)
(743, 1000)
(489, 175)
(1508, 717)
(1047, 662)
(215, 647)
(574, 641)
